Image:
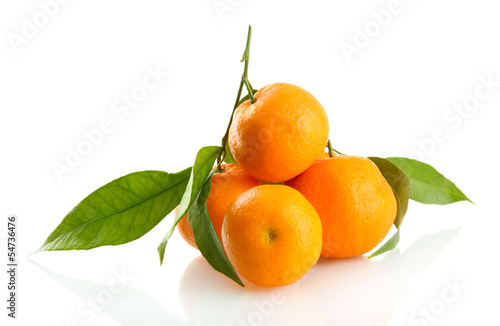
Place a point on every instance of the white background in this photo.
(397, 89)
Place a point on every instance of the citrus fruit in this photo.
(279, 135)
(354, 201)
(225, 187)
(271, 235)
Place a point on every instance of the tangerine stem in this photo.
(222, 154)
(246, 59)
(249, 89)
(246, 82)
(331, 150)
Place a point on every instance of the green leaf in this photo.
(399, 183)
(389, 245)
(119, 212)
(428, 186)
(203, 164)
(205, 236)
(401, 187)
(229, 156)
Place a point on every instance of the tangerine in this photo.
(279, 135)
(272, 235)
(224, 188)
(354, 201)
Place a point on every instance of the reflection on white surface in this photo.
(355, 291)
(417, 258)
(336, 292)
(209, 299)
(125, 304)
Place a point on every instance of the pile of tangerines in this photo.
(286, 202)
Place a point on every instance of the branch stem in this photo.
(244, 82)
(331, 150)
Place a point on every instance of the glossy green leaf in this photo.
(203, 164)
(119, 212)
(399, 183)
(205, 236)
(428, 186)
(389, 245)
